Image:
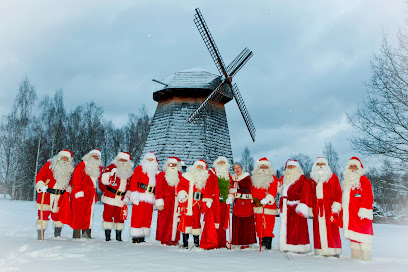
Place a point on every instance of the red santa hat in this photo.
(173, 160)
(292, 162)
(124, 155)
(202, 163)
(321, 160)
(150, 154)
(95, 152)
(263, 161)
(65, 153)
(355, 161)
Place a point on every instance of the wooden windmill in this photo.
(190, 120)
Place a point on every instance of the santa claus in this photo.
(194, 196)
(142, 187)
(221, 211)
(294, 209)
(243, 224)
(167, 203)
(51, 182)
(114, 185)
(83, 182)
(326, 205)
(357, 210)
(264, 190)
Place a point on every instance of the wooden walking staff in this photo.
(229, 227)
(263, 225)
(41, 216)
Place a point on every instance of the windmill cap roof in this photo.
(195, 78)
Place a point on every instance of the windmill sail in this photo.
(244, 111)
(239, 62)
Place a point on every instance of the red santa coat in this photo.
(142, 213)
(167, 219)
(192, 209)
(294, 233)
(110, 179)
(221, 210)
(82, 207)
(358, 212)
(326, 196)
(50, 200)
(265, 216)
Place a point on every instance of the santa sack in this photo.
(64, 212)
(209, 239)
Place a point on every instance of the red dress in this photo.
(243, 227)
(358, 212)
(265, 216)
(325, 197)
(82, 207)
(113, 202)
(167, 219)
(294, 233)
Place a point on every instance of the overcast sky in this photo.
(311, 59)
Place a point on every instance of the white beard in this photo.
(62, 172)
(150, 168)
(172, 175)
(199, 176)
(321, 173)
(261, 178)
(124, 170)
(222, 171)
(292, 175)
(351, 179)
(92, 167)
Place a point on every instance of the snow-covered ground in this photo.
(20, 251)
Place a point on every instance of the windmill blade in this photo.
(244, 111)
(239, 62)
(212, 99)
(209, 42)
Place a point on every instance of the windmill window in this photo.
(184, 105)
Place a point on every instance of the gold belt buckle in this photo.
(150, 189)
(57, 191)
(118, 193)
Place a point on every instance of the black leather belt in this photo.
(55, 191)
(197, 196)
(116, 192)
(148, 188)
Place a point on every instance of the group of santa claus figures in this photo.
(198, 202)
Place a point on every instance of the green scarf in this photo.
(224, 185)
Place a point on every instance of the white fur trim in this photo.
(319, 190)
(95, 152)
(303, 208)
(92, 215)
(295, 163)
(105, 178)
(181, 196)
(63, 153)
(321, 160)
(57, 224)
(270, 198)
(292, 202)
(296, 248)
(358, 164)
(38, 224)
(196, 231)
(360, 237)
(146, 231)
(119, 226)
(122, 155)
(136, 232)
(38, 185)
(264, 163)
(134, 196)
(79, 194)
(147, 197)
(365, 213)
(259, 210)
(207, 200)
(241, 177)
(117, 201)
(107, 225)
(328, 251)
(323, 231)
(159, 202)
(203, 164)
(37, 206)
(336, 207)
(188, 229)
(233, 190)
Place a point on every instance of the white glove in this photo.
(43, 189)
(126, 199)
(208, 204)
(229, 201)
(184, 198)
(79, 194)
(264, 201)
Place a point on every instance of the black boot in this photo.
(57, 231)
(135, 240)
(76, 234)
(268, 243)
(107, 234)
(263, 241)
(141, 240)
(185, 240)
(86, 233)
(119, 235)
(196, 240)
(39, 234)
